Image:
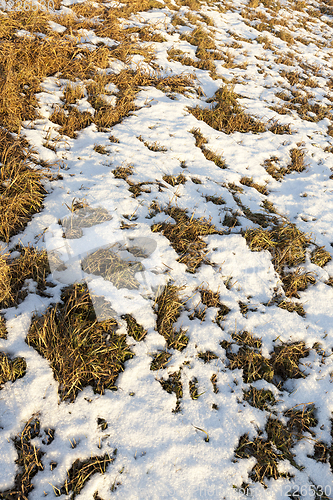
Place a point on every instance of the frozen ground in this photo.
(162, 454)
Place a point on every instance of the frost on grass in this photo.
(81, 350)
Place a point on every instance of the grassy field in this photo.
(205, 127)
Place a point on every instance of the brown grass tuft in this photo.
(184, 236)
(28, 461)
(32, 264)
(227, 115)
(21, 189)
(320, 256)
(248, 181)
(200, 142)
(282, 365)
(169, 307)
(11, 369)
(173, 385)
(81, 351)
(287, 245)
(81, 471)
(277, 445)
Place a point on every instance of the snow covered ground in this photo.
(190, 454)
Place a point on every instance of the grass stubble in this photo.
(82, 351)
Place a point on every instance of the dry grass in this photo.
(206, 63)
(297, 160)
(184, 236)
(169, 306)
(80, 350)
(200, 142)
(28, 461)
(134, 329)
(287, 245)
(174, 180)
(106, 116)
(273, 169)
(123, 172)
(212, 299)
(32, 264)
(320, 256)
(282, 365)
(277, 445)
(173, 385)
(106, 263)
(259, 398)
(21, 188)
(297, 280)
(299, 101)
(153, 146)
(160, 360)
(80, 472)
(217, 200)
(207, 356)
(71, 121)
(226, 115)
(3, 330)
(292, 306)
(82, 216)
(248, 181)
(11, 369)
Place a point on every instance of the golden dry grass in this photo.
(81, 351)
(21, 188)
(226, 115)
(11, 369)
(32, 264)
(28, 461)
(184, 236)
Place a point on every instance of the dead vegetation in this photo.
(134, 329)
(173, 385)
(29, 461)
(174, 180)
(11, 369)
(184, 236)
(226, 115)
(248, 181)
(21, 185)
(282, 365)
(287, 246)
(3, 330)
(212, 299)
(168, 308)
(276, 444)
(81, 471)
(31, 265)
(301, 102)
(107, 263)
(81, 351)
(82, 216)
(200, 142)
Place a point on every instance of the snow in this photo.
(161, 454)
